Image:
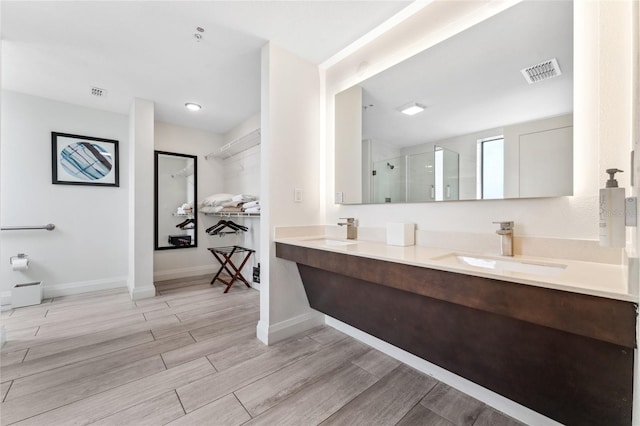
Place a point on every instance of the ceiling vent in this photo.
(542, 71)
(98, 92)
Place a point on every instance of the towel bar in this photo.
(48, 227)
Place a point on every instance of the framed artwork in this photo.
(84, 160)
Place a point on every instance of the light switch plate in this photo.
(297, 195)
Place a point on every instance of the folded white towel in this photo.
(251, 204)
(232, 204)
(252, 210)
(243, 197)
(215, 200)
(210, 209)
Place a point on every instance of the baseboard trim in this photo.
(5, 301)
(271, 334)
(68, 289)
(142, 292)
(171, 274)
(262, 332)
(507, 406)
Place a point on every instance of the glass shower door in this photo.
(388, 183)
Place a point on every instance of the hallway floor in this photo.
(189, 356)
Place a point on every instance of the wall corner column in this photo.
(141, 146)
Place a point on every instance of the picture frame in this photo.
(84, 160)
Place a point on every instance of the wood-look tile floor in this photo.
(189, 356)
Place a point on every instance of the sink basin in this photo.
(502, 264)
(329, 242)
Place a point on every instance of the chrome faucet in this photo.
(352, 230)
(506, 237)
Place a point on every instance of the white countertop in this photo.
(597, 279)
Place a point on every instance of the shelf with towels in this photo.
(233, 214)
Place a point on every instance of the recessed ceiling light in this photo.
(193, 107)
(412, 108)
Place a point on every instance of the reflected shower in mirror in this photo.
(485, 114)
(176, 180)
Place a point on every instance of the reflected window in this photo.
(492, 162)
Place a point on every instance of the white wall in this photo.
(88, 249)
(169, 264)
(290, 154)
(247, 126)
(241, 175)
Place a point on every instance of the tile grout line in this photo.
(8, 390)
(36, 333)
(241, 404)
(410, 410)
(180, 401)
(25, 355)
(210, 362)
(164, 363)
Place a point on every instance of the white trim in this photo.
(262, 332)
(511, 408)
(5, 300)
(68, 289)
(275, 333)
(193, 271)
(142, 292)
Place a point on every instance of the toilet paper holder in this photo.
(18, 256)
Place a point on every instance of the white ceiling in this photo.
(472, 81)
(146, 49)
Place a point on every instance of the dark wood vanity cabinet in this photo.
(566, 355)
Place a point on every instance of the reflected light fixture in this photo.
(193, 107)
(412, 108)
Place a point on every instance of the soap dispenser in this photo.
(612, 217)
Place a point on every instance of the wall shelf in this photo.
(236, 146)
(233, 214)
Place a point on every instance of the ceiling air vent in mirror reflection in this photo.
(542, 71)
(100, 93)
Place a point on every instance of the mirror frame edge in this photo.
(156, 153)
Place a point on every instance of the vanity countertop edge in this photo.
(589, 278)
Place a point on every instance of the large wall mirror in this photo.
(485, 114)
(176, 186)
